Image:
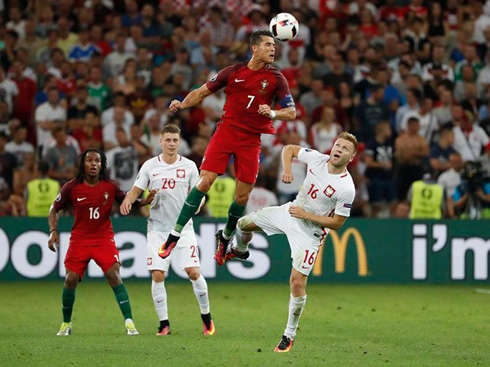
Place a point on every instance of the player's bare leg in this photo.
(236, 211)
(67, 301)
(114, 279)
(191, 205)
(200, 288)
(244, 233)
(159, 294)
(297, 303)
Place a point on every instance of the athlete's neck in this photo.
(170, 159)
(255, 64)
(333, 170)
(91, 181)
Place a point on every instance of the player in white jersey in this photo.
(172, 176)
(323, 203)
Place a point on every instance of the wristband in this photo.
(272, 114)
(56, 229)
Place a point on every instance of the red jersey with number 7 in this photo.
(92, 207)
(245, 90)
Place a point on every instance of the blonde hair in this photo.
(349, 137)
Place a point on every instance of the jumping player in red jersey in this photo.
(91, 194)
(250, 89)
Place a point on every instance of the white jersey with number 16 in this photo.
(173, 181)
(324, 193)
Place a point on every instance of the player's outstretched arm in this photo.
(335, 222)
(129, 199)
(288, 153)
(193, 98)
(286, 114)
(53, 229)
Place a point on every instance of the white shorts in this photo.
(304, 242)
(186, 253)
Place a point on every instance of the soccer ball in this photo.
(284, 27)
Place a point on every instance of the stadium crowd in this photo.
(410, 78)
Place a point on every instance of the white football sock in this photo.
(201, 291)
(242, 240)
(296, 306)
(159, 294)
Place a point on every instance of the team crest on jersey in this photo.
(329, 191)
(181, 173)
(106, 195)
(149, 261)
(264, 83)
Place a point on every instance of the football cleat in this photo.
(163, 330)
(130, 328)
(166, 249)
(210, 331)
(284, 345)
(65, 329)
(221, 248)
(233, 254)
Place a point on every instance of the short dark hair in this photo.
(256, 37)
(171, 129)
(43, 167)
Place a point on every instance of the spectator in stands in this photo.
(18, 146)
(379, 169)
(62, 158)
(49, 116)
(7, 55)
(66, 82)
(122, 160)
(222, 34)
(118, 100)
(412, 106)
(67, 39)
(313, 99)
(449, 180)
(337, 73)
(325, 132)
(8, 162)
(370, 112)
(24, 174)
(181, 66)
(115, 61)
(126, 82)
(84, 49)
(23, 104)
(427, 120)
(41, 192)
(443, 112)
(469, 138)
(199, 144)
(143, 151)
(109, 130)
(99, 93)
(132, 15)
(78, 112)
(31, 42)
(8, 89)
(441, 151)
(411, 152)
(260, 197)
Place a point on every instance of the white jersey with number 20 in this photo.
(173, 181)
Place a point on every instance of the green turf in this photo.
(349, 325)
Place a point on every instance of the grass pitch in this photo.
(348, 325)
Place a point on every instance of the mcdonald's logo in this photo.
(340, 250)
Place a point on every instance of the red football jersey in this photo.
(245, 90)
(92, 206)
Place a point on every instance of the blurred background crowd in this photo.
(410, 78)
